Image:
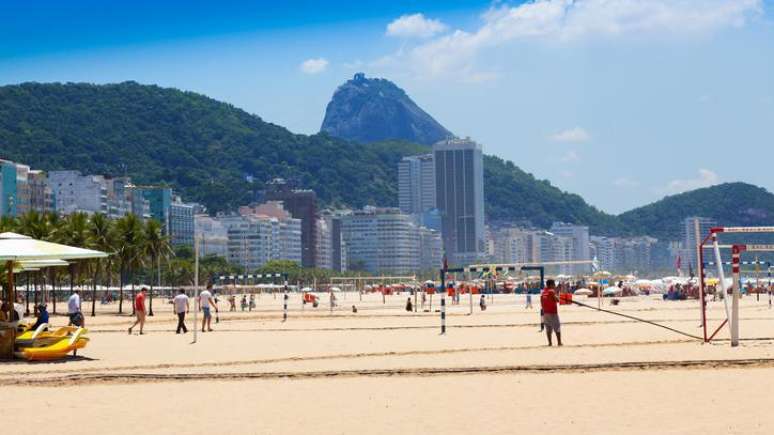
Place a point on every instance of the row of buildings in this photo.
(23, 189)
(377, 240)
(441, 211)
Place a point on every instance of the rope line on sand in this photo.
(124, 378)
(349, 356)
(677, 331)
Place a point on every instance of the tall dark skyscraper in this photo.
(459, 183)
(302, 204)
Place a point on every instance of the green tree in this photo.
(75, 232)
(129, 243)
(101, 238)
(155, 247)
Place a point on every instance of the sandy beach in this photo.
(383, 370)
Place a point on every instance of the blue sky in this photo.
(621, 101)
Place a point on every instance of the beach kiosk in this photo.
(18, 251)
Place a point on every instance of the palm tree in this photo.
(8, 224)
(42, 227)
(156, 246)
(101, 238)
(129, 241)
(75, 232)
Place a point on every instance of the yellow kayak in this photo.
(55, 345)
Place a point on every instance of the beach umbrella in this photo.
(583, 292)
(612, 291)
(335, 289)
(306, 289)
(18, 248)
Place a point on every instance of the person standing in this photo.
(74, 309)
(180, 303)
(550, 308)
(206, 302)
(139, 310)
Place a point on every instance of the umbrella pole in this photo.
(11, 290)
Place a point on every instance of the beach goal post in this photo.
(732, 313)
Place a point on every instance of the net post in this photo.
(443, 314)
(735, 258)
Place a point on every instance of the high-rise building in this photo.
(302, 204)
(386, 241)
(41, 196)
(212, 235)
(74, 192)
(510, 245)
(263, 233)
(338, 246)
(15, 195)
(181, 223)
(688, 231)
(324, 257)
(416, 184)
(430, 249)
(580, 250)
(175, 216)
(459, 182)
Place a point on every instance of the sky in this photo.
(620, 101)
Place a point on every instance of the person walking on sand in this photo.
(549, 306)
(180, 303)
(74, 309)
(206, 302)
(139, 310)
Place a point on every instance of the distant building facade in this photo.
(302, 204)
(387, 241)
(459, 182)
(261, 233)
(579, 234)
(416, 184)
(212, 235)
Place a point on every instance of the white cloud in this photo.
(705, 178)
(570, 157)
(559, 21)
(573, 135)
(314, 66)
(415, 26)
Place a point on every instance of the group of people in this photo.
(549, 313)
(180, 307)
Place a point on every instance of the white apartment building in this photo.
(324, 235)
(387, 241)
(212, 235)
(416, 184)
(74, 192)
(580, 244)
(262, 233)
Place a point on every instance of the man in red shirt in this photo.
(549, 304)
(139, 310)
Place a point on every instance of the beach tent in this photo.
(583, 292)
(16, 249)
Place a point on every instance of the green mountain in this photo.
(731, 204)
(219, 155)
